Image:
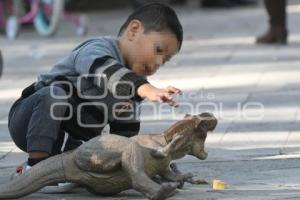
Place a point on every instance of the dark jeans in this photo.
(32, 127)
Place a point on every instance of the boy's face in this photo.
(146, 52)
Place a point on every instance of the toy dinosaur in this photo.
(109, 164)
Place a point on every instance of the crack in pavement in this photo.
(5, 155)
(7, 167)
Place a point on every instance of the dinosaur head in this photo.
(203, 123)
(193, 132)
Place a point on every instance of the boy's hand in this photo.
(158, 95)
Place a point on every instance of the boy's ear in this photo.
(134, 27)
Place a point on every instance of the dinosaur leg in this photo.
(187, 177)
(178, 144)
(133, 165)
(174, 175)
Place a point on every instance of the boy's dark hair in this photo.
(156, 17)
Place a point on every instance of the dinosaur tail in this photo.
(42, 174)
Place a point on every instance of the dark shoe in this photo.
(277, 33)
(273, 37)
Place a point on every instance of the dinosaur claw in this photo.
(166, 190)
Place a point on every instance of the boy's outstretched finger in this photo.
(173, 90)
(173, 103)
(163, 98)
(166, 98)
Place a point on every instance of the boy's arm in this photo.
(106, 72)
(119, 80)
(157, 94)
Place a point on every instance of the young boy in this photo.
(100, 82)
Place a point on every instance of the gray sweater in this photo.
(96, 69)
(96, 74)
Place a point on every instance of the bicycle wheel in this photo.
(49, 15)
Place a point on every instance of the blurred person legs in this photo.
(277, 33)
